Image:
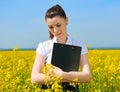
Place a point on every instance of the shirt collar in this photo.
(54, 40)
(69, 41)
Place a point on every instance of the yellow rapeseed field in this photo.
(16, 66)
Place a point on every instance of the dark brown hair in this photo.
(55, 10)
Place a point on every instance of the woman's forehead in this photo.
(55, 20)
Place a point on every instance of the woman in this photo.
(57, 21)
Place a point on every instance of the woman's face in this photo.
(57, 26)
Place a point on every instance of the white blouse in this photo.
(45, 48)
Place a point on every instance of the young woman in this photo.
(57, 21)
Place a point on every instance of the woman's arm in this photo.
(83, 76)
(37, 76)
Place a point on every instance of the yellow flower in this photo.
(75, 80)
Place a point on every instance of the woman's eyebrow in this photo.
(58, 23)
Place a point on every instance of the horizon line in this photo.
(35, 48)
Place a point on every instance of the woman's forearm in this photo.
(66, 77)
(38, 78)
(81, 76)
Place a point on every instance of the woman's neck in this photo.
(62, 40)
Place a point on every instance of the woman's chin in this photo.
(58, 36)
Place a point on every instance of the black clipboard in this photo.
(66, 57)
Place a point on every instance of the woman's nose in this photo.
(55, 30)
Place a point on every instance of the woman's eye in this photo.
(58, 25)
(50, 27)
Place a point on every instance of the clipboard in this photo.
(66, 57)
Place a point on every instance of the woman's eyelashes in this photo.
(58, 25)
(51, 27)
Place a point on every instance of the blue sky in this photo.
(94, 22)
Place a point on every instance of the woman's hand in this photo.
(56, 71)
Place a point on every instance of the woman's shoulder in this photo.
(45, 43)
(77, 42)
(81, 44)
(44, 47)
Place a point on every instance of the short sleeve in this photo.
(41, 50)
(81, 44)
(84, 49)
